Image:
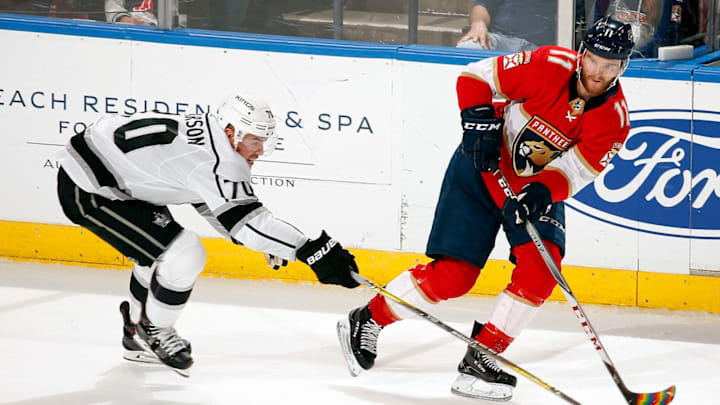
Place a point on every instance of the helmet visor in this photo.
(256, 143)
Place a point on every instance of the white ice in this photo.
(258, 342)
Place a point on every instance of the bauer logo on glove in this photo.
(324, 250)
(331, 263)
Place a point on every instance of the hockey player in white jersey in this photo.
(117, 178)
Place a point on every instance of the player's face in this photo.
(597, 73)
(251, 148)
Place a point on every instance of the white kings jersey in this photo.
(172, 159)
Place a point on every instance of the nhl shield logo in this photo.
(577, 106)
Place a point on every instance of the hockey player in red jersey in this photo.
(564, 118)
(118, 177)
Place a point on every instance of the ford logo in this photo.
(664, 180)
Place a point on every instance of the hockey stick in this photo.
(470, 341)
(654, 398)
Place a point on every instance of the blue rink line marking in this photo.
(652, 69)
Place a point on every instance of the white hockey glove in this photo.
(275, 262)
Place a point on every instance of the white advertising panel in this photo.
(333, 165)
(705, 206)
(364, 143)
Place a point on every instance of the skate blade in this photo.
(185, 373)
(471, 387)
(343, 333)
(140, 356)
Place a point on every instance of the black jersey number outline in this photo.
(162, 137)
(247, 188)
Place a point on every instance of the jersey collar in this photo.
(229, 163)
(593, 102)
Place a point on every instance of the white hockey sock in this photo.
(405, 286)
(510, 315)
(142, 274)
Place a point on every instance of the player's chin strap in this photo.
(655, 398)
(470, 341)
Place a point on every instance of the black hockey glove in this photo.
(482, 136)
(534, 200)
(331, 263)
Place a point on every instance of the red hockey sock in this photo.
(423, 286)
(493, 338)
(380, 311)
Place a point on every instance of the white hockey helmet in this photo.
(248, 115)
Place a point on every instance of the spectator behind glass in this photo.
(694, 22)
(131, 12)
(227, 15)
(511, 25)
(48, 8)
(657, 23)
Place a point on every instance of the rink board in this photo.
(590, 285)
(366, 133)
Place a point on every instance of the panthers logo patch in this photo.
(535, 146)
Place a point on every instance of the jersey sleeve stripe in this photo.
(496, 79)
(264, 235)
(102, 175)
(574, 168)
(206, 213)
(235, 217)
(565, 176)
(472, 76)
(567, 54)
(217, 157)
(562, 62)
(585, 163)
(524, 112)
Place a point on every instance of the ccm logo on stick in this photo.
(480, 126)
(321, 252)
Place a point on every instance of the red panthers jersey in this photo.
(551, 135)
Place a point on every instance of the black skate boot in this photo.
(481, 377)
(358, 335)
(165, 344)
(133, 351)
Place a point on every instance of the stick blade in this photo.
(656, 398)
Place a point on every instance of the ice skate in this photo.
(358, 334)
(133, 351)
(480, 376)
(165, 345)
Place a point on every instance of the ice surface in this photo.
(258, 342)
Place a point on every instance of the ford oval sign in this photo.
(665, 180)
